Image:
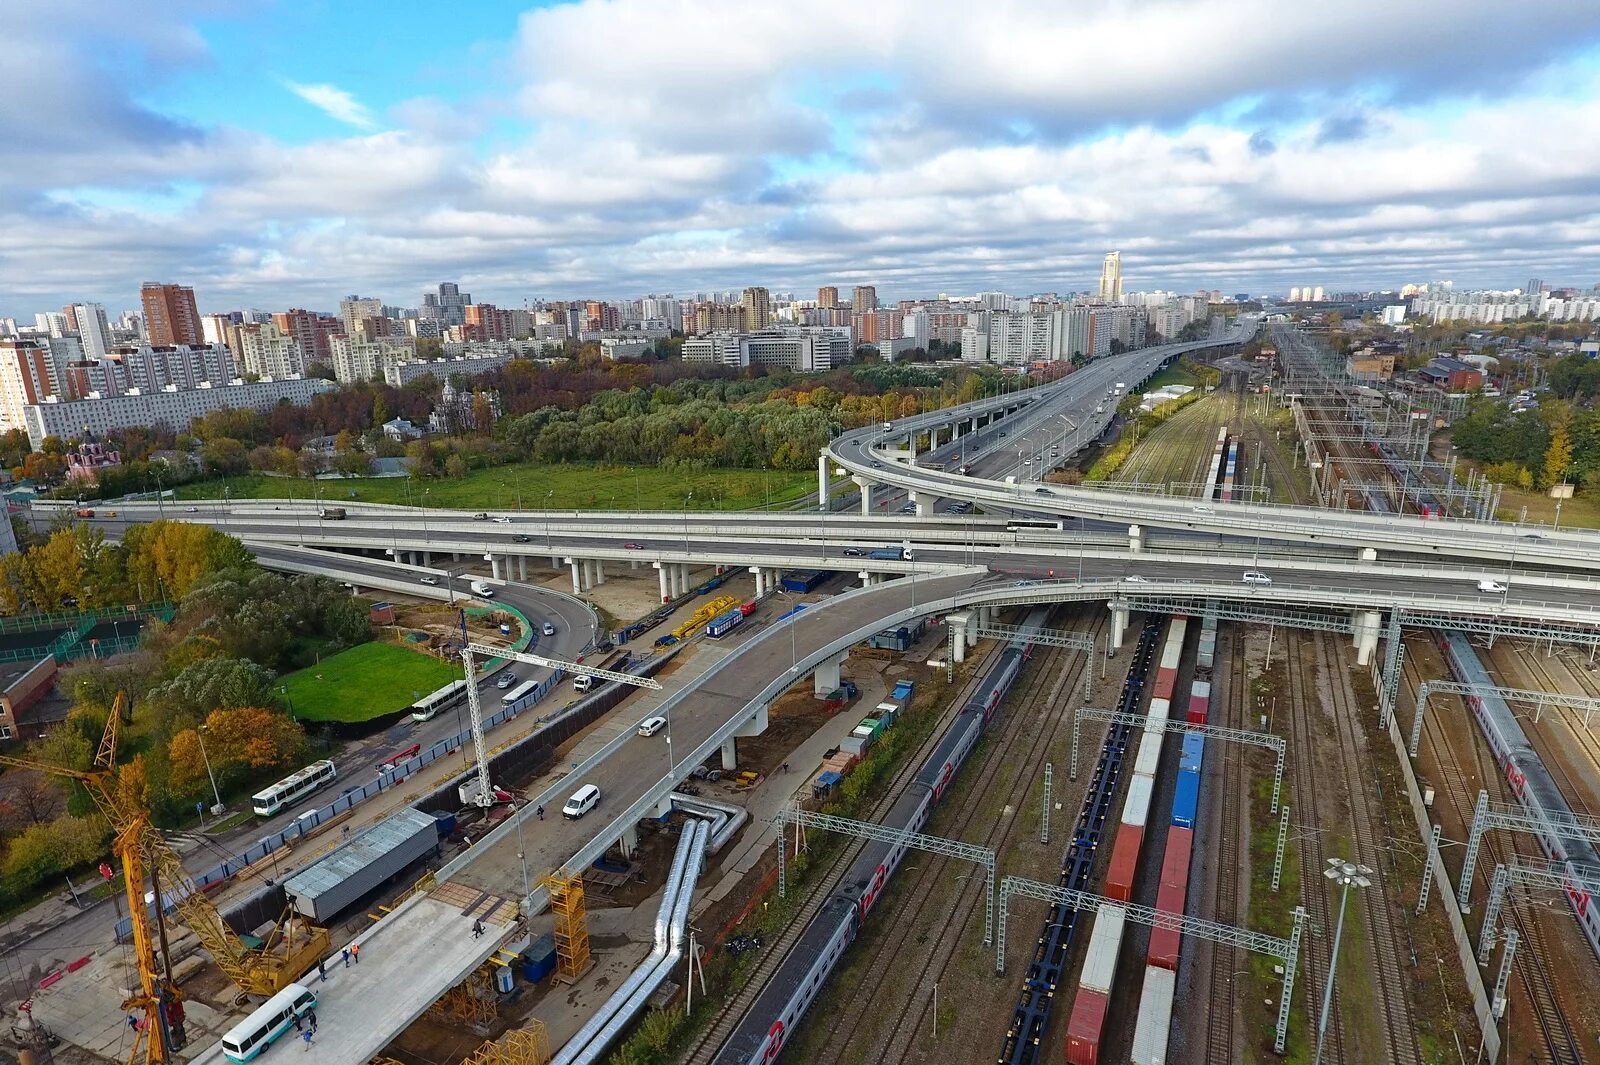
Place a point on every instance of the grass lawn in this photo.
(364, 682)
(529, 486)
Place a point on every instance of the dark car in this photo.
(522, 538)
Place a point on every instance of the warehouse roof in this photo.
(359, 853)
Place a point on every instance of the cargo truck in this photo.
(895, 554)
(481, 588)
(331, 513)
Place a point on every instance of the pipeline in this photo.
(726, 819)
(671, 919)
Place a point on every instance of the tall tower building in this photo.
(1111, 277)
(170, 314)
(93, 329)
(863, 298)
(757, 309)
(828, 297)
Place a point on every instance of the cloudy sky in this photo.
(291, 152)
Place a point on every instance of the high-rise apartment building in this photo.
(89, 322)
(756, 309)
(828, 297)
(1111, 277)
(447, 305)
(27, 376)
(265, 350)
(863, 299)
(170, 315)
(353, 309)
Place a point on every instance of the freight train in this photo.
(1213, 481)
(777, 1012)
(1530, 781)
(1031, 1016)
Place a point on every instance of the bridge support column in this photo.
(685, 578)
(825, 679)
(522, 567)
(661, 575)
(923, 506)
(730, 753)
(629, 840)
(960, 624)
(1135, 539)
(494, 566)
(822, 482)
(866, 493)
(599, 571)
(1119, 625)
(1367, 625)
(577, 575)
(761, 580)
(866, 578)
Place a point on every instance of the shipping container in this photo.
(825, 782)
(1207, 655)
(856, 745)
(539, 960)
(1100, 961)
(903, 689)
(1186, 799)
(1160, 711)
(324, 888)
(1155, 1017)
(890, 711)
(1149, 756)
(1124, 863)
(1175, 861)
(724, 623)
(1200, 702)
(1083, 1027)
(803, 580)
(1194, 752)
(1165, 943)
(1135, 810)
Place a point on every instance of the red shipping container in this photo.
(1166, 683)
(1199, 709)
(1083, 1030)
(1164, 942)
(1175, 863)
(1124, 861)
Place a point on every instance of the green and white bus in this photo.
(250, 1038)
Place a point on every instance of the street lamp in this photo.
(686, 501)
(200, 733)
(1346, 875)
(547, 496)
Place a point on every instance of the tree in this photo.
(212, 684)
(240, 744)
(1557, 457)
(169, 558)
(225, 456)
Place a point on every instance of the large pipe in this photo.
(597, 1033)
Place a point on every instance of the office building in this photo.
(170, 315)
(803, 350)
(756, 309)
(173, 408)
(1111, 277)
(612, 348)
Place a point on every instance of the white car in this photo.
(501, 521)
(583, 800)
(507, 679)
(429, 580)
(1134, 578)
(548, 629)
(652, 725)
(1255, 576)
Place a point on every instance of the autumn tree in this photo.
(241, 743)
(1557, 457)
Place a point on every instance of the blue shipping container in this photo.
(1194, 752)
(803, 580)
(1186, 799)
(903, 689)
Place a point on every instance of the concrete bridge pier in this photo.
(629, 840)
(822, 482)
(754, 726)
(762, 583)
(662, 569)
(866, 493)
(730, 753)
(685, 578)
(866, 578)
(1368, 624)
(923, 506)
(825, 678)
(960, 634)
(494, 566)
(578, 575)
(1135, 539)
(522, 567)
(1119, 624)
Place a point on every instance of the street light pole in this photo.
(1347, 875)
(200, 733)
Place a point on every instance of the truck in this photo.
(331, 513)
(888, 427)
(892, 554)
(481, 588)
(332, 884)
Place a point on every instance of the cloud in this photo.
(335, 103)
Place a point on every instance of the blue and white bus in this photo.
(250, 1038)
(429, 706)
(520, 696)
(291, 789)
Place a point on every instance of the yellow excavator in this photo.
(261, 967)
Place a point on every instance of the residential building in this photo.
(612, 348)
(756, 309)
(918, 328)
(863, 298)
(804, 350)
(1395, 314)
(485, 321)
(469, 364)
(265, 350)
(312, 331)
(599, 317)
(1369, 364)
(717, 317)
(974, 345)
(94, 332)
(827, 297)
(173, 407)
(150, 369)
(354, 308)
(363, 358)
(53, 323)
(27, 376)
(1451, 375)
(875, 327)
(447, 305)
(170, 315)
(1111, 277)
(214, 328)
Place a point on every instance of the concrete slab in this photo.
(85, 1009)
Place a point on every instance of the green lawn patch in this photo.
(532, 486)
(364, 682)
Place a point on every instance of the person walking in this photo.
(311, 1015)
(355, 952)
(540, 811)
(347, 957)
(306, 1035)
(477, 929)
(297, 1023)
(322, 972)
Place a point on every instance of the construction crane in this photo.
(259, 967)
(119, 795)
(484, 796)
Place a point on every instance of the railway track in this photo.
(1369, 826)
(1310, 809)
(706, 1045)
(1533, 966)
(912, 951)
(1221, 1025)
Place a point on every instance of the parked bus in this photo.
(512, 698)
(429, 707)
(291, 789)
(251, 1037)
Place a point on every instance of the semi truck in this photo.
(894, 554)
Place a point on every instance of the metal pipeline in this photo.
(671, 919)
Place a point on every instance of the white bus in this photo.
(429, 706)
(516, 695)
(294, 787)
(250, 1038)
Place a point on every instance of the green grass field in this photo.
(589, 486)
(364, 682)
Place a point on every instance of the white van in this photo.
(583, 800)
(482, 589)
(582, 682)
(1492, 587)
(1255, 576)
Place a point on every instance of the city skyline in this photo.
(1253, 149)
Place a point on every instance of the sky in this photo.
(276, 153)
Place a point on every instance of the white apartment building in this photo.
(150, 369)
(172, 407)
(94, 332)
(267, 351)
(804, 350)
(363, 358)
(974, 345)
(623, 347)
(469, 364)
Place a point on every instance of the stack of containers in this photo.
(1200, 702)
(888, 713)
(1207, 655)
(1186, 800)
(1094, 987)
(1174, 891)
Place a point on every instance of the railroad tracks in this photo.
(1533, 965)
(706, 1045)
(1223, 999)
(1367, 821)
